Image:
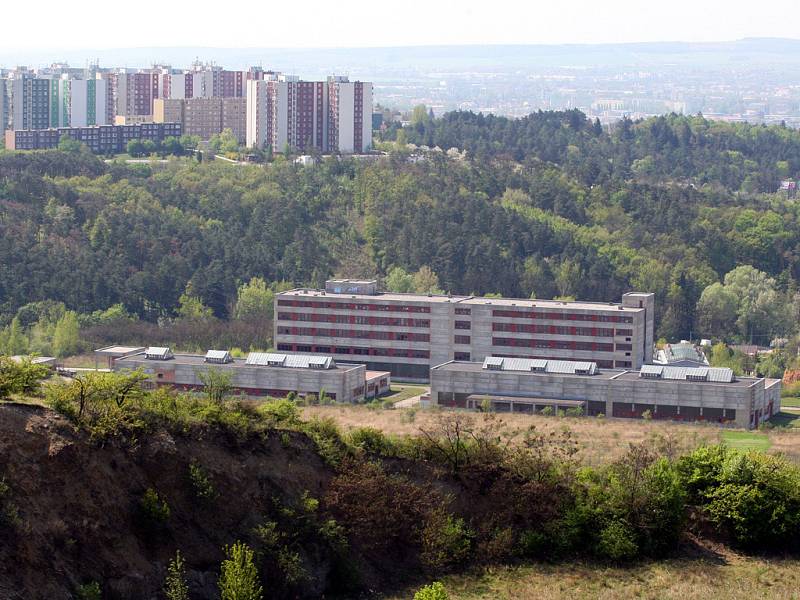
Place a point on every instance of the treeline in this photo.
(520, 221)
(736, 156)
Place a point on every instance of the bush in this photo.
(22, 377)
(9, 512)
(446, 540)
(89, 591)
(371, 441)
(617, 542)
(153, 509)
(238, 578)
(752, 497)
(434, 591)
(201, 484)
(175, 587)
(640, 491)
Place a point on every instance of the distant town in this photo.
(106, 108)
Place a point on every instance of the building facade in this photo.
(328, 116)
(101, 139)
(261, 374)
(407, 334)
(670, 393)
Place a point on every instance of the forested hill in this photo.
(549, 205)
(738, 156)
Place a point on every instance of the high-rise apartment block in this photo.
(204, 117)
(407, 334)
(324, 115)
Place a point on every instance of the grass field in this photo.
(403, 392)
(599, 440)
(792, 401)
(724, 577)
(746, 440)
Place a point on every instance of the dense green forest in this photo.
(551, 205)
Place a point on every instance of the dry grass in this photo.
(732, 577)
(600, 440)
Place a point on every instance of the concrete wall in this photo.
(621, 394)
(346, 383)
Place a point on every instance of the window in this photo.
(463, 311)
(461, 339)
(463, 325)
(462, 356)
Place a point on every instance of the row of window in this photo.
(401, 336)
(353, 306)
(354, 319)
(559, 316)
(557, 344)
(393, 352)
(554, 329)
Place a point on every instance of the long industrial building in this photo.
(660, 392)
(407, 334)
(260, 374)
(100, 139)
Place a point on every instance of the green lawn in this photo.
(746, 440)
(402, 392)
(791, 401)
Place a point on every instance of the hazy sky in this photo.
(352, 23)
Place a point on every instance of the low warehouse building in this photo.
(261, 374)
(663, 392)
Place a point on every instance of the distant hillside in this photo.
(367, 62)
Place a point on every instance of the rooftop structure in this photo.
(664, 392)
(260, 374)
(685, 354)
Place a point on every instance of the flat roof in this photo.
(476, 367)
(378, 374)
(616, 374)
(200, 360)
(119, 350)
(738, 382)
(438, 298)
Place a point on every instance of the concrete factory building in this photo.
(674, 393)
(261, 374)
(407, 334)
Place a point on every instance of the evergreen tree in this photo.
(175, 587)
(238, 579)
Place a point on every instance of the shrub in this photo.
(9, 512)
(201, 484)
(752, 497)
(89, 591)
(434, 591)
(291, 565)
(547, 411)
(21, 377)
(328, 440)
(617, 542)
(446, 540)
(175, 587)
(238, 578)
(576, 411)
(640, 491)
(281, 412)
(153, 509)
(383, 513)
(371, 440)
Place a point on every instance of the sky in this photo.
(360, 23)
